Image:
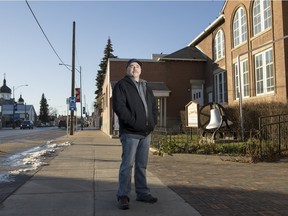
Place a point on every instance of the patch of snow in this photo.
(28, 160)
(6, 177)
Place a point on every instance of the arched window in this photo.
(261, 15)
(219, 45)
(239, 27)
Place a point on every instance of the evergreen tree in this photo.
(101, 74)
(44, 110)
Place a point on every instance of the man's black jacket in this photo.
(128, 106)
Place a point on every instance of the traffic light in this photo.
(84, 110)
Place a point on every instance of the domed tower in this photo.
(5, 91)
(20, 100)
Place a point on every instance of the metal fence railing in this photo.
(274, 134)
(165, 138)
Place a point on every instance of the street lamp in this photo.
(80, 90)
(14, 88)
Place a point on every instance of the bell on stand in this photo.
(215, 119)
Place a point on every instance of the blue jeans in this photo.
(134, 151)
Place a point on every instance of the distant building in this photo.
(23, 112)
(9, 110)
(5, 92)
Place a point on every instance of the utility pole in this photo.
(73, 80)
(81, 109)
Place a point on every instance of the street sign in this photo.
(15, 106)
(72, 103)
(77, 93)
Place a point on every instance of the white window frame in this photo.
(244, 72)
(220, 87)
(239, 27)
(219, 45)
(264, 72)
(262, 18)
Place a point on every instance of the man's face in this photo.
(134, 70)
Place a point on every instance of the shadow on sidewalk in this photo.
(47, 193)
(223, 201)
(215, 187)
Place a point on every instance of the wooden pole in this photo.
(73, 80)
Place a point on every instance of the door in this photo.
(197, 94)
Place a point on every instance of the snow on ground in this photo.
(28, 160)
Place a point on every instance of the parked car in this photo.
(62, 123)
(27, 124)
(86, 124)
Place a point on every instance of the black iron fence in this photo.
(274, 134)
(271, 141)
(171, 140)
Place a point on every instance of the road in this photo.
(12, 141)
(15, 142)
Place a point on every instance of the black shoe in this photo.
(148, 199)
(123, 202)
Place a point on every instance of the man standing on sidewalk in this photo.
(135, 106)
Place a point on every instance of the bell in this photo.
(215, 119)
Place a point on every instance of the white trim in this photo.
(240, 24)
(262, 18)
(241, 76)
(263, 67)
(219, 46)
(220, 91)
(212, 25)
(159, 93)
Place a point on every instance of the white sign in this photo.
(191, 110)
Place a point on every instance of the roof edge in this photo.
(224, 5)
(180, 59)
(208, 30)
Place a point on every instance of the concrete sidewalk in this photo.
(82, 180)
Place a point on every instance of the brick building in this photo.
(250, 35)
(255, 32)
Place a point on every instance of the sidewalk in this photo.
(219, 186)
(82, 180)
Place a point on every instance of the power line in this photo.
(45, 35)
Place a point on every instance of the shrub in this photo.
(251, 113)
(183, 142)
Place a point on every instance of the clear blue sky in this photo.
(136, 28)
